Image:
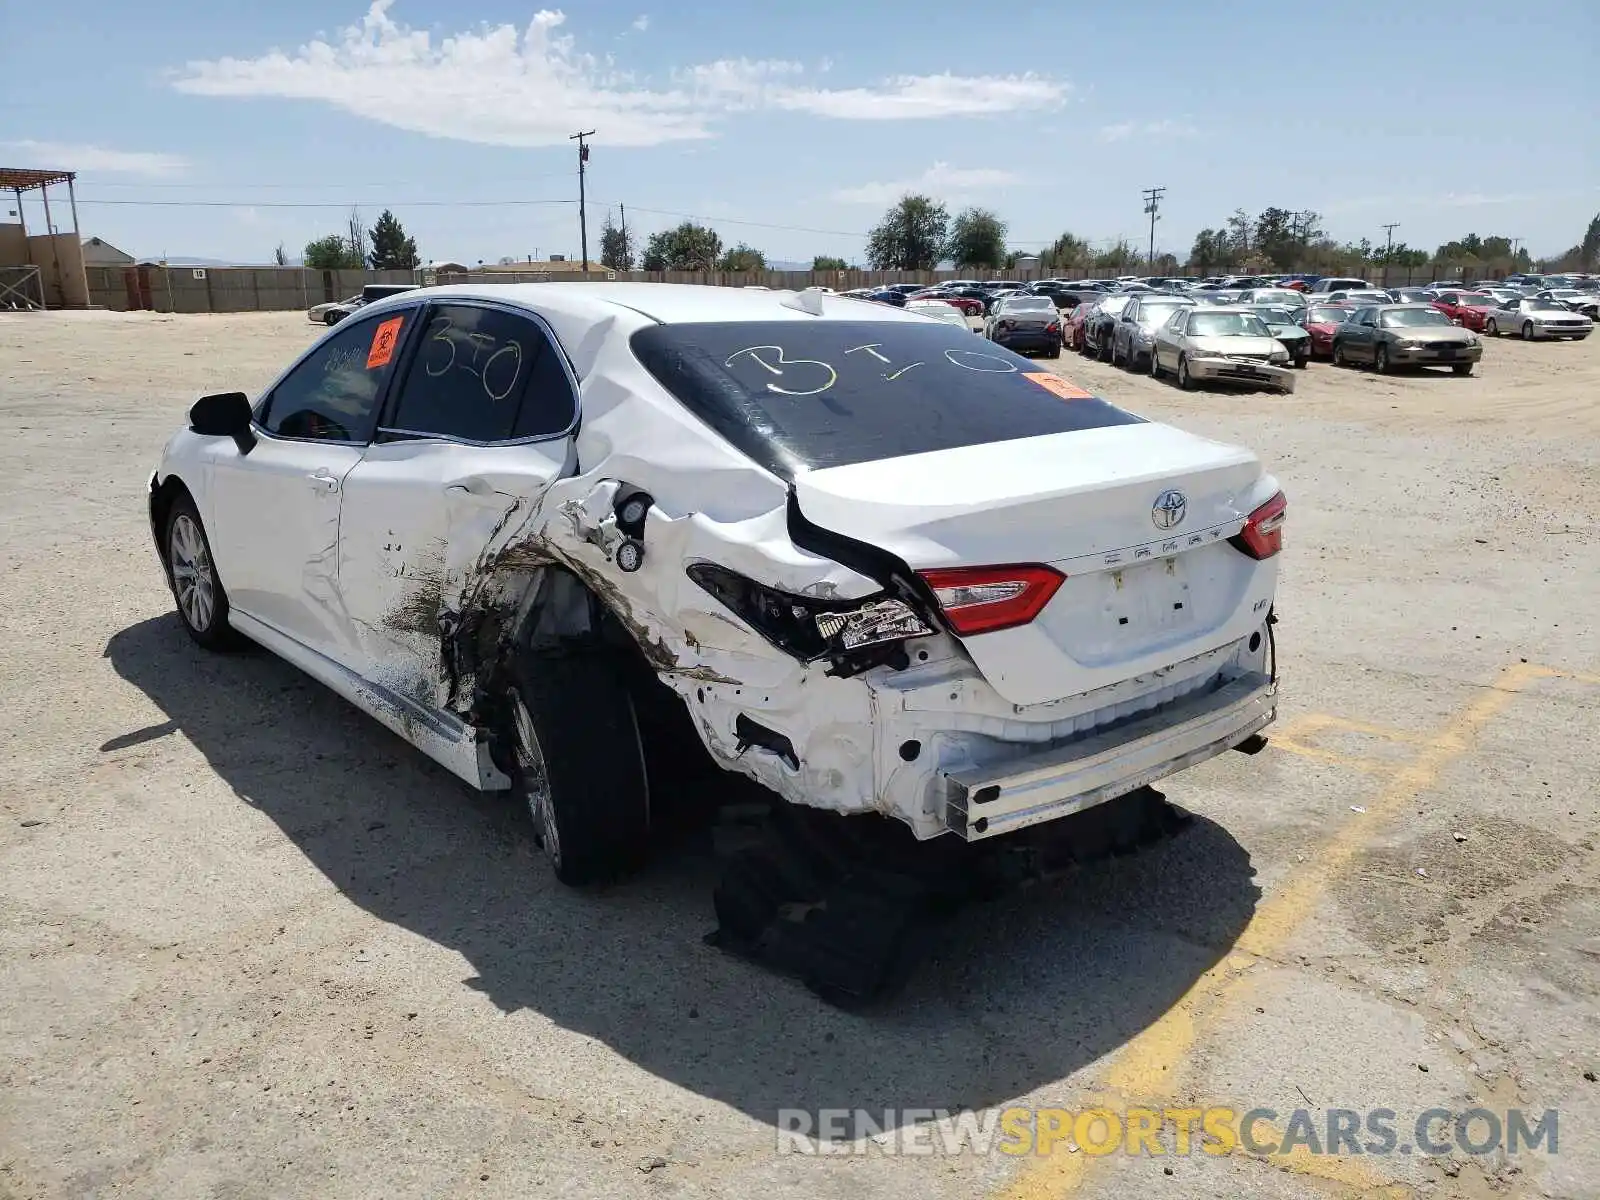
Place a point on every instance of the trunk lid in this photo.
(1143, 589)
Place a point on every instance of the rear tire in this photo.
(1339, 359)
(1461, 368)
(1491, 328)
(1155, 364)
(579, 764)
(201, 600)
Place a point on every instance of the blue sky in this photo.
(803, 121)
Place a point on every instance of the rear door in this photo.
(477, 429)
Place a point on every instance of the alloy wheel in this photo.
(193, 580)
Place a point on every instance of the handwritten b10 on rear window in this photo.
(799, 395)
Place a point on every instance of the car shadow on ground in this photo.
(1021, 992)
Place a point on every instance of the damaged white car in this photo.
(876, 569)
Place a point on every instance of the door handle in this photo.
(323, 480)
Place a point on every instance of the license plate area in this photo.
(1146, 598)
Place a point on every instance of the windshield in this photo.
(1476, 301)
(1226, 324)
(1028, 304)
(1545, 305)
(1153, 314)
(1327, 315)
(1414, 318)
(1280, 296)
(1275, 316)
(1113, 305)
(797, 396)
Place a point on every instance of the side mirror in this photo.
(224, 414)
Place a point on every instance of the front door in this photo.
(274, 519)
(476, 432)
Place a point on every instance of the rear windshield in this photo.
(797, 396)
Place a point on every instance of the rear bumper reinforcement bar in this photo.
(982, 802)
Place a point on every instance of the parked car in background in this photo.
(1587, 303)
(1359, 296)
(1072, 324)
(1467, 309)
(1101, 322)
(1135, 330)
(1533, 318)
(1284, 324)
(1281, 296)
(1321, 322)
(1405, 335)
(1409, 295)
(1026, 323)
(939, 311)
(890, 296)
(319, 313)
(332, 314)
(1445, 285)
(1227, 345)
(967, 305)
(1324, 288)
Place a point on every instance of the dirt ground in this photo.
(254, 946)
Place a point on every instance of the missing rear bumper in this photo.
(983, 802)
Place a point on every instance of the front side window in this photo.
(483, 375)
(799, 396)
(333, 393)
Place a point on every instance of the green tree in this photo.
(1117, 256)
(827, 262)
(616, 246)
(1240, 228)
(332, 253)
(910, 237)
(686, 247)
(977, 239)
(1066, 251)
(1210, 250)
(1589, 248)
(392, 248)
(744, 259)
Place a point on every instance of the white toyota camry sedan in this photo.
(878, 569)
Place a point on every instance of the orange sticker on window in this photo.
(384, 340)
(1053, 383)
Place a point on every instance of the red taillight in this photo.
(1262, 535)
(1052, 328)
(984, 599)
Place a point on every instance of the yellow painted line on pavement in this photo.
(1146, 1070)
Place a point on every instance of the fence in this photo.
(226, 289)
(21, 288)
(266, 289)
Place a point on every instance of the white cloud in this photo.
(640, 23)
(1123, 130)
(97, 158)
(941, 179)
(532, 87)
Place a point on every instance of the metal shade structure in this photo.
(15, 279)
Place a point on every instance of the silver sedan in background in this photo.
(1220, 345)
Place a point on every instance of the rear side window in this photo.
(333, 393)
(483, 375)
(800, 395)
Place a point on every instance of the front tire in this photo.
(578, 763)
(331, 318)
(1155, 364)
(192, 573)
(1339, 359)
(1527, 331)
(1380, 359)
(1491, 328)
(1461, 369)
(1185, 380)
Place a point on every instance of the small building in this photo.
(556, 264)
(97, 252)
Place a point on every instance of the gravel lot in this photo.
(251, 945)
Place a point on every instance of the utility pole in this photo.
(1152, 202)
(1388, 247)
(627, 253)
(583, 218)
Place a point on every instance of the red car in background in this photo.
(1072, 324)
(1467, 309)
(1321, 322)
(968, 306)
